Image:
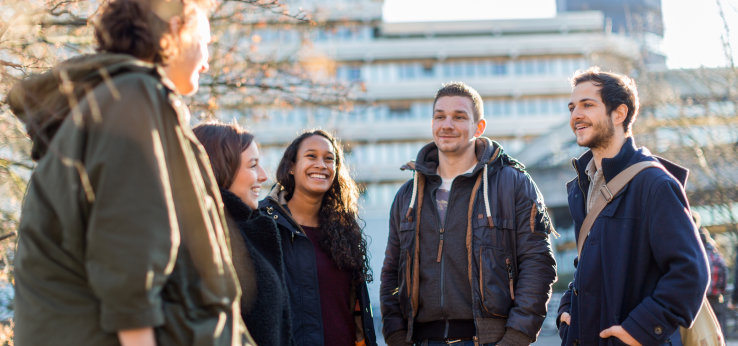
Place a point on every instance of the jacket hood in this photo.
(44, 100)
(490, 156)
(487, 151)
(628, 155)
(278, 194)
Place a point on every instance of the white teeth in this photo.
(318, 176)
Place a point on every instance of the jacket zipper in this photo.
(439, 257)
(481, 281)
(440, 246)
(508, 263)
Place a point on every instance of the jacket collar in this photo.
(278, 195)
(236, 207)
(610, 166)
(627, 156)
(486, 150)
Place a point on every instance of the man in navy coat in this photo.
(642, 271)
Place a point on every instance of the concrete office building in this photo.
(640, 19)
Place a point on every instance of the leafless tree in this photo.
(37, 34)
(691, 117)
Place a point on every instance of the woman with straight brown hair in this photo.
(120, 238)
(255, 243)
(324, 248)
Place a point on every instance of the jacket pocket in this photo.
(485, 236)
(494, 281)
(406, 234)
(403, 279)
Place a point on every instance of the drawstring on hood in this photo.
(409, 214)
(481, 142)
(486, 197)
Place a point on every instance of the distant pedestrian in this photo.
(718, 272)
(641, 272)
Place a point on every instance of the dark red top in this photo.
(335, 291)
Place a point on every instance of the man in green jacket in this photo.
(122, 237)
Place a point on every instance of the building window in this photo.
(399, 113)
(428, 71)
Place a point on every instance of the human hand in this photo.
(565, 318)
(620, 333)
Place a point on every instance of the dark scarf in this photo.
(268, 319)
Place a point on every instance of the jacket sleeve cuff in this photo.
(398, 338)
(113, 321)
(645, 328)
(514, 337)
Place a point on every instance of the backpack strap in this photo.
(609, 191)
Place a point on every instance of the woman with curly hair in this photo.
(324, 249)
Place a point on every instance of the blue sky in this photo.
(692, 35)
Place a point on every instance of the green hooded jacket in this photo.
(122, 225)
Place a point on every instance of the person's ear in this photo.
(481, 126)
(618, 114)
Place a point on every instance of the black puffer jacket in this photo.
(302, 278)
(501, 243)
(257, 258)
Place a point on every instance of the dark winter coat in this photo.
(642, 266)
(302, 279)
(495, 245)
(257, 258)
(122, 225)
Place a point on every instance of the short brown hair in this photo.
(461, 89)
(140, 27)
(615, 90)
(224, 144)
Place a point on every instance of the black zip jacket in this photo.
(302, 278)
(495, 258)
(257, 257)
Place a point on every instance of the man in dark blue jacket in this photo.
(642, 271)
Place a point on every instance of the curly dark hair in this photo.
(341, 233)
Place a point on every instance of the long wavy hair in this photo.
(341, 233)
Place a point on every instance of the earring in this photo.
(292, 172)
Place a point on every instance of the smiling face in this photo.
(248, 178)
(453, 125)
(592, 126)
(315, 166)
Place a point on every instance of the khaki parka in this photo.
(122, 224)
